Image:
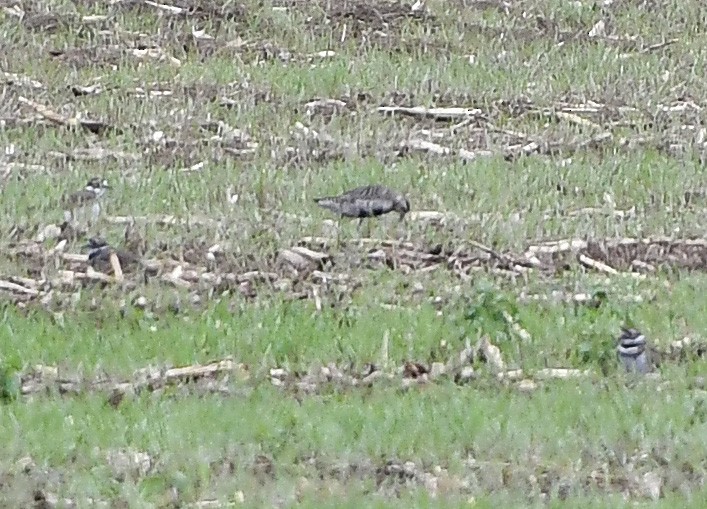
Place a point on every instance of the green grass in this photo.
(468, 432)
(586, 442)
(122, 339)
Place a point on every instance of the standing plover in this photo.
(76, 205)
(366, 201)
(632, 352)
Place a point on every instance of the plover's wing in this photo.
(127, 258)
(352, 208)
(332, 203)
(364, 201)
(73, 202)
(374, 207)
(357, 207)
(371, 192)
(79, 198)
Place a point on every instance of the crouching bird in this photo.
(99, 256)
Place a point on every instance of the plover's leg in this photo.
(402, 231)
(96, 211)
(338, 234)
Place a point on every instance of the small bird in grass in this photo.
(99, 255)
(366, 201)
(632, 351)
(77, 204)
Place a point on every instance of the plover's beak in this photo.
(402, 216)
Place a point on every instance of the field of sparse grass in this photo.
(265, 354)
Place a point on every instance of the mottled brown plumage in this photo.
(366, 201)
